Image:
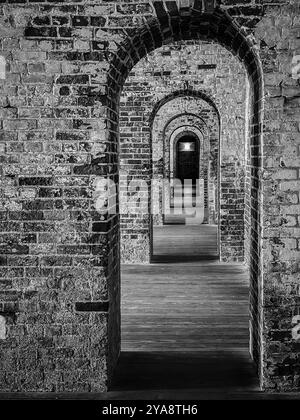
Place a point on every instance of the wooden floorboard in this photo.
(185, 321)
(184, 306)
(181, 243)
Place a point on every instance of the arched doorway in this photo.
(217, 26)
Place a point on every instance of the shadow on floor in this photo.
(173, 259)
(166, 371)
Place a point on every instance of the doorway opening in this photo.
(187, 159)
(185, 138)
(163, 311)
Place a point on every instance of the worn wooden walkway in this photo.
(184, 244)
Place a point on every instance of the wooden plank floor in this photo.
(185, 323)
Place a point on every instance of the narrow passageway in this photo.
(185, 320)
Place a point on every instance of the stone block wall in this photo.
(66, 64)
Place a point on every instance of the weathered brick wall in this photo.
(201, 67)
(58, 255)
(66, 64)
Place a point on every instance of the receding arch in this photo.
(164, 128)
(171, 25)
(186, 133)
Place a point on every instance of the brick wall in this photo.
(66, 65)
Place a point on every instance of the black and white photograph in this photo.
(149, 203)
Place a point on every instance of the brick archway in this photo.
(173, 132)
(171, 25)
(197, 94)
(176, 137)
(136, 228)
(198, 136)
